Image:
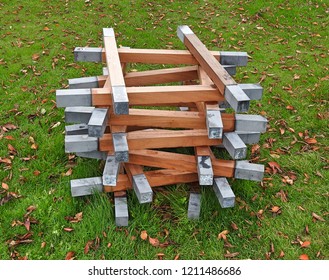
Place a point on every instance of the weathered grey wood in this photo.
(254, 91)
(224, 192)
(120, 100)
(205, 171)
(233, 58)
(88, 54)
(80, 143)
(249, 137)
(73, 97)
(142, 188)
(78, 114)
(111, 171)
(121, 211)
(214, 124)
(98, 122)
(248, 171)
(120, 145)
(194, 206)
(234, 145)
(76, 129)
(85, 82)
(254, 123)
(93, 155)
(86, 186)
(231, 69)
(237, 99)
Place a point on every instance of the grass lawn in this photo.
(286, 216)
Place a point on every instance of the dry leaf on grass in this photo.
(143, 235)
(154, 241)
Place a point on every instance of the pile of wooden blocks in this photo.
(139, 146)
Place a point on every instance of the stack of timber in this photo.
(106, 122)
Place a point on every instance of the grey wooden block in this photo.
(223, 105)
(92, 154)
(111, 171)
(254, 123)
(231, 69)
(248, 171)
(120, 145)
(73, 97)
(121, 211)
(233, 58)
(142, 188)
(86, 186)
(234, 145)
(224, 192)
(78, 114)
(214, 124)
(120, 100)
(254, 91)
(249, 137)
(184, 109)
(76, 129)
(108, 32)
(88, 54)
(183, 30)
(85, 82)
(105, 71)
(237, 99)
(194, 206)
(80, 143)
(98, 122)
(205, 171)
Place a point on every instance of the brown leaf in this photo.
(12, 150)
(87, 247)
(68, 172)
(35, 57)
(310, 141)
(34, 146)
(143, 235)
(10, 126)
(176, 257)
(70, 255)
(222, 235)
(46, 28)
(275, 209)
(317, 217)
(234, 226)
(305, 244)
(275, 167)
(109, 245)
(5, 160)
(231, 255)
(289, 107)
(67, 229)
(304, 257)
(154, 241)
(36, 173)
(281, 254)
(27, 224)
(5, 186)
(43, 244)
(77, 218)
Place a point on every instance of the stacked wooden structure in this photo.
(185, 108)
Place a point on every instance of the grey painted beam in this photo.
(205, 171)
(98, 122)
(248, 171)
(78, 114)
(76, 129)
(92, 154)
(120, 145)
(249, 137)
(120, 100)
(80, 143)
(105, 71)
(87, 186)
(73, 97)
(233, 58)
(214, 124)
(85, 82)
(111, 171)
(234, 145)
(88, 54)
(254, 123)
(121, 211)
(231, 69)
(237, 99)
(194, 206)
(254, 91)
(224, 192)
(142, 188)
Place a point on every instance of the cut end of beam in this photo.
(142, 188)
(108, 32)
(98, 122)
(194, 206)
(254, 123)
(254, 91)
(73, 97)
(87, 186)
(249, 171)
(88, 54)
(237, 99)
(92, 154)
(111, 171)
(80, 143)
(120, 145)
(120, 100)
(183, 30)
(235, 58)
(234, 145)
(78, 114)
(205, 171)
(85, 82)
(224, 192)
(121, 211)
(214, 124)
(249, 137)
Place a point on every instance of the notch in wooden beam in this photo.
(111, 171)
(98, 122)
(224, 192)
(253, 91)
(120, 146)
(76, 129)
(78, 114)
(73, 97)
(214, 122)
(248, 171)
(235, 58)
(86, 186)
(234, 145)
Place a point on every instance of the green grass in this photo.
(289, 49)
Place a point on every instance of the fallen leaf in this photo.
(70, 255)
(275, 167)
(310, 141)
(68, 172)
(304, 257)
(231, 255)
(35, 57)
(160, 256)
(289, 107)
(36, 173)
(317, 217)
(305, 244)
(176, 257)
(34, 146)
(46, 28)
(154, 241)
(5, 186)
(109, 245)
(234, 226)
(143, 235)
(43, 244)
(87, 247)
(275, 209)
(281, 254)
(67, 229)
(222, 235)
(10, 126)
